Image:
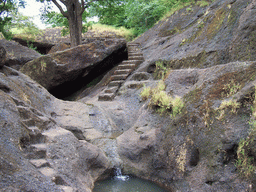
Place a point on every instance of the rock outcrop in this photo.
(16, 54)
(73, 68)
(37, 153)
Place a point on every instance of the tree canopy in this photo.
(73, 11)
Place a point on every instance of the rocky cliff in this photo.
(184, 118)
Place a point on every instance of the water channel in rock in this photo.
(125, 183)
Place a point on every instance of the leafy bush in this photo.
(177, 106)
(145, 93)
(160, 100)
(161, 70)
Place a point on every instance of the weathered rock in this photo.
(75, 64)
(2, 56)
(202, 37)
(34, 149)
(16, 54)
(59, 47)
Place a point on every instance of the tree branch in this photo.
(2, 10)
(85, 6)
(60, 8)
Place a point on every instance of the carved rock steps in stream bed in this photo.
(115, 83)
(36, 151)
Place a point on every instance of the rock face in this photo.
(57, 70)
(69, 145)
(203, 36)
(34, 147)
(16, 54)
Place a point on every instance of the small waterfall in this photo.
(119, 175)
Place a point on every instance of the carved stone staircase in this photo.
(135, 57)
(36, 145)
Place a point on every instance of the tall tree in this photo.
(73, 11)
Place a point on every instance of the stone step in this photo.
(135, 54)
(119, 77)
(106, 97)
(141, 58)
(115, 83)
(111, 89)
(66, 188)
(48, 172)
(58, 131)
(35, 135)
(25, 112)
(123, 71)
(136, 62)
(126, 66)
(28, 122)
(39, 163)
(36, 151)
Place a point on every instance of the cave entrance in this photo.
(71, 89)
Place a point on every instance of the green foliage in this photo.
(161, 101)
(145, 93)
(245, 162)
(161, 70)
(23, 26)
(142, 15)
(6, 8)
(177, 106)
(230, 89)
(55, 19)
(230, 105)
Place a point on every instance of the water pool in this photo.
(126, 184)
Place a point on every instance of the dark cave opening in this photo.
(66, 90)
(42, 48)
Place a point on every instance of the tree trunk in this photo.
(75, 24)
(74, 13)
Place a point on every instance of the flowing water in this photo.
(124, 183)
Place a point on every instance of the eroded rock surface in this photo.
(57, 70)
(16, 54)
(37, 152)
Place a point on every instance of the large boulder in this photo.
(75, 64)
(16, 54)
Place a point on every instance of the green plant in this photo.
(145, 93)
(230, 89)
(245, 163)
(231, 104)
(161, 70)
(160, 100)
(177, 106)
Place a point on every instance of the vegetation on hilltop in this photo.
(137, 16)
